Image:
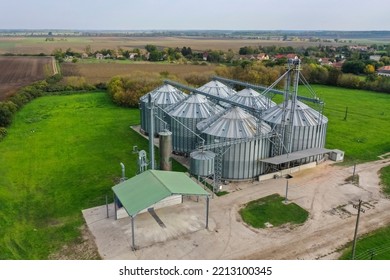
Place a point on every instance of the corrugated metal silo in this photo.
(184, 117)
(219, 89)
(308, 125)
(202, 163)
(239, 161)
(253, 99)
(165, 144)
(163, 97)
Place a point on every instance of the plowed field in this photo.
(16, 72)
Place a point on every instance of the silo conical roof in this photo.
(217, 88)
(165, 95)
(253, 99)
(232, 123)
(303, 115)
(194, 106)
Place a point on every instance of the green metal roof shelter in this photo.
(152, 186)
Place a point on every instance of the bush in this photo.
(3, 133)
(315, 73)
(252, 72)
(197, 79)
(5, 115)
(349, 81)
(54, 79)
(381, 84)
(102, 86)
(126, 91)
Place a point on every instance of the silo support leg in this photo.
(207, 211)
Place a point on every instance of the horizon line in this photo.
(176, 30)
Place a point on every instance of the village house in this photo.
(375, 57)
(205, 56)
(338, 64)
(133, 56)
(262, 56)
(325, 61)
(384, 71)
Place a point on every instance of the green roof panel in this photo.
(151, 186)
(179, 183)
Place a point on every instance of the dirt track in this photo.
(322, 190)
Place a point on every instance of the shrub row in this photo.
(327, 75)
(315, 74)
(126, 91)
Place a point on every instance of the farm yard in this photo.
(17, 72)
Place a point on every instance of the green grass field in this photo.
(365, 134)
(62, 154)
(375, 245)
(271, 209)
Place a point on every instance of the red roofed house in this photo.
(291, 56)
(325, 61)
(384, 71)
(262, 56)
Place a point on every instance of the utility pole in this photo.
(359, 207)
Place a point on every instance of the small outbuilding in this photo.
(146, 190)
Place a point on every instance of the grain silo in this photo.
(184, 117)
(240, 161)
(162, 97)
(202, 163)
(218, 89)
(251, 98)
(307, 126)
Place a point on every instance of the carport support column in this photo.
(207, 211)
(115, 206)
(132, 233)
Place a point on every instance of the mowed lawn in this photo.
(62, 154)
(373, 246)
(365, 134)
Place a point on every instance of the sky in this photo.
(347, 15)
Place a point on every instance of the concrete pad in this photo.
(114, 237)
(322, 191)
